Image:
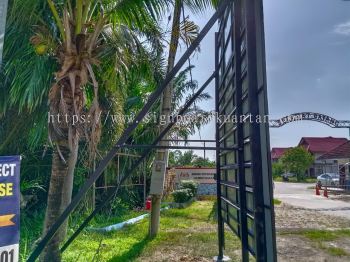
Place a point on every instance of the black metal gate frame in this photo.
(244, 181)
(261, 253)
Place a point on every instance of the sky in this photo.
(308, 66)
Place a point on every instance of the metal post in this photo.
(237, 25)
(204, 151)
(265, 242)
(93, 196)
(144, 184)
(218, 173)
(118, 169)
(255, 142)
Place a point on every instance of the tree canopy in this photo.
(297, 160)
(188, 158)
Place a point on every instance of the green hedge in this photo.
(187, 190)
(191, 185)
(182, 195)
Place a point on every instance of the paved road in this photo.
(298, 194)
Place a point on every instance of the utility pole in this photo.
(161, 160)
(3, 13)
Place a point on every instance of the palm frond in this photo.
(135, 11)
(28, 76)
(188, 31)
(198, 6)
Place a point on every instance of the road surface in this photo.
(298, 195)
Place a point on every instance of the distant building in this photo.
(319, 146)
(204, 176)
(277, 153)
(340, 155)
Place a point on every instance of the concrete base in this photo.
(224, 259)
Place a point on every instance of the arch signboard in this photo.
(310, 116)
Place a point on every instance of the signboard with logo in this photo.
(9, 208)
(199, 175)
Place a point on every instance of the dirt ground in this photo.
(292, 246)
(291, 218)
(292, 243)
(174, 254)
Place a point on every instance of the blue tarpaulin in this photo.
(9, 207)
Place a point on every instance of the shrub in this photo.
(182, 195)
(191, 185)
(277, 169)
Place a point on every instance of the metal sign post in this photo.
(9, 208)
(3, 13)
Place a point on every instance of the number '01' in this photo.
(7, 256)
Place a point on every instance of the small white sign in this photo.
(9, 253)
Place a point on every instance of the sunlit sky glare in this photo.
(308, 66)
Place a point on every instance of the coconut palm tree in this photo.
(77, 43)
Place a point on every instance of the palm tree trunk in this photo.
(162, 155)
(60, 194)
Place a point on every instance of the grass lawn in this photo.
(276, 201)
(31, 226)
(188, 234)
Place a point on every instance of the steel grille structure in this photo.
(244, 182)
(244, 175)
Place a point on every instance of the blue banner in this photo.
(9, 207)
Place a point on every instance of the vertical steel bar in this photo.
(240, 132)
(144, 183)
(255, 142)
(262, 181)
(218, 169)
(204, 151)
(269, 212)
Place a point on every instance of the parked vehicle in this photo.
(328, 179)
(286, 176)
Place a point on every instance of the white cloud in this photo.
(343, 29)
